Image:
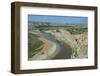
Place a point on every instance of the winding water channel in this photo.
(65, 51)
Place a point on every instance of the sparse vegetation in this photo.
(69, 34)
(77, 30)
(34, 44)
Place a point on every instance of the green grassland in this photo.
(34, 44)
(77, 30)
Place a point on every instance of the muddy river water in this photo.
(65, 51)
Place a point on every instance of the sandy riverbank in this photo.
(50, 49)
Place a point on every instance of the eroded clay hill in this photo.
(77, 42)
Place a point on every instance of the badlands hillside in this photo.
(43, 36)
(78, 42)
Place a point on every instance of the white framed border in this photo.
(25, 64)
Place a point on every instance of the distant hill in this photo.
(34, 23)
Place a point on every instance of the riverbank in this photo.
(60, 44)
(77, 42)
(50, 49)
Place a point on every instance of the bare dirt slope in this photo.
(77, 42)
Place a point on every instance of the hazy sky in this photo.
(59, 19)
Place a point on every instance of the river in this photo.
(65, 51)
